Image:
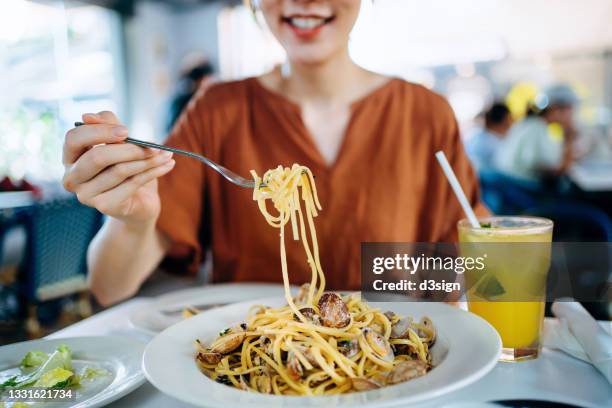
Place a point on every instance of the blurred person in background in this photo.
(540, 146)
(369, 139)
(482, 146)
(197, 71)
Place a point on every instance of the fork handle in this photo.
(156, 146)
(152, 145)
(215, 166)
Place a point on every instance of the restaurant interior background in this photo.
(62, 58)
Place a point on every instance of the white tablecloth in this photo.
(554, 376)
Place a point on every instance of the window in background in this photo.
(56, 61)
(246, 46)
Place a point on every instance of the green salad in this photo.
(54, 370)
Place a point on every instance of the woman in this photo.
(370, 141)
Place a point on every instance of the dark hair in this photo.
(200, 71)
(533, 110)
(496, 114)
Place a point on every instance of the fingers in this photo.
(101, 117)
(119, 173)
(128, 187)
(99, 158)
(79, 139)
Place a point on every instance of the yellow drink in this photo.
(518, 323)
(509, 292)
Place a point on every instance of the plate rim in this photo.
(156, 304)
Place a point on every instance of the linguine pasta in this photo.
(321, 343)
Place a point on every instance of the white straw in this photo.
(452, 179)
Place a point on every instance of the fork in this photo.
(193, 309)
(226, 173)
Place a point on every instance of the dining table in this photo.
(592, 175)
(553, 376)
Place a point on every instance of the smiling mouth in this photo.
(307, 22)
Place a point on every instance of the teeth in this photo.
(307, 23)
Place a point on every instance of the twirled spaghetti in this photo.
(320, 343)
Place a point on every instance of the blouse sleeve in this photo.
(182, 191)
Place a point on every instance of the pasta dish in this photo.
(320, 343)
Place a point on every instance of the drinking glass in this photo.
(509, 292)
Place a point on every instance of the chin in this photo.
(312, 54)
(308, 58)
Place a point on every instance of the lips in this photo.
(307, 23)
(307, 26)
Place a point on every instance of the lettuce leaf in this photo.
(34, 359)
(60, 358)
(57, 378)
(89, 373)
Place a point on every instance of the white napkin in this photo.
(578, 334)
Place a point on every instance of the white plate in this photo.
(120, 355)
(150, 318)
(467, 348)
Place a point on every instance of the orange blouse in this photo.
(385, 184)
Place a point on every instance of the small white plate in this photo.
(150, 316)
(467, 348)
(120, 355)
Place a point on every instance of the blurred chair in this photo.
(58, 234)
(8, 273)
(579, 222)
(507, 195)
(575, 221)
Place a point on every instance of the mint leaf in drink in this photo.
(489, 288)
(485, 225)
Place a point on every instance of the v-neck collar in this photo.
(307, 139)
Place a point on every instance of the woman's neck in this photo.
(337, 81)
